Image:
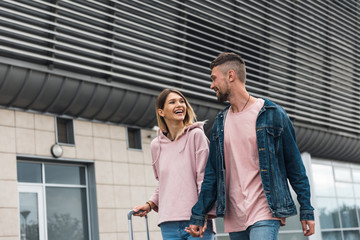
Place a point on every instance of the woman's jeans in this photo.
(262, 230)
(176, 231)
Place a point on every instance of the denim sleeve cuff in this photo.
(307, 215)
(197, 220)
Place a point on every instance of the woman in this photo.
(179, 156)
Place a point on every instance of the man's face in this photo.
(219, 84)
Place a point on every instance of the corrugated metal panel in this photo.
(303, 55)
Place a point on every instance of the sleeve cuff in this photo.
(197, 220)
(307, 215)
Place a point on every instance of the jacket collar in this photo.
(269, 104)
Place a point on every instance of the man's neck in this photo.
(240, 100)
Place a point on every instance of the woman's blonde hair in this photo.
(190, 116)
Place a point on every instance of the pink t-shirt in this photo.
(246, 203)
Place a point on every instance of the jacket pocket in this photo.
(273, 138)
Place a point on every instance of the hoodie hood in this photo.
(179, 144)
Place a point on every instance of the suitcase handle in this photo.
(130, 214)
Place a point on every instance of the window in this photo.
(53, 201)
(338, 199)
(65, 131)
(134, 138)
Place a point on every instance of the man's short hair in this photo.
(230, 60)
(226, 57)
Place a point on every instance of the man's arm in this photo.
(206, 199)
(298, 179)
(208, 193)
(296, 172)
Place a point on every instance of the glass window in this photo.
(65, 131)
(335, 235)
(344, 189)
(66, 213)
(351, 235)
(328, 213)
(63, 174)
(134, 138)
(356, 175)
(57, 208)
(29, 172)
(338, 214)
(29, 218)
(348, 213)
(342, 174)
(357, 190)
(357, 202)
(323, 180)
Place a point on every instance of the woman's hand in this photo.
(142, 210)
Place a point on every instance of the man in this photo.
(253, 142)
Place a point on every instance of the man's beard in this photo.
(222, 97)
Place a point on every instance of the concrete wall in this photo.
(124, 177)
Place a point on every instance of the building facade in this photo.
(78, 83)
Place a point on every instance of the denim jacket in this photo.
(279, 161)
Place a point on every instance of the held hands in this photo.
(308, 227)
(196, 231)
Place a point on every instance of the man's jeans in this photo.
(176, 231)
(262, 230)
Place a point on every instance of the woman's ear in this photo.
(161, 112)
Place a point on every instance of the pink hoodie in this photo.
(179, 167)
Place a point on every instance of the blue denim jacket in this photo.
(279, 161)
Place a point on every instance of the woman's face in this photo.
(174, 108)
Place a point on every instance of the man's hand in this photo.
(196, 231)
(308, 227)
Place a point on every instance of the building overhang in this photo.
(328, 145)
(36, 88)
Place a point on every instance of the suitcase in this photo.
(130, 214)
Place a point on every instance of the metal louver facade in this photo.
(107, 60)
